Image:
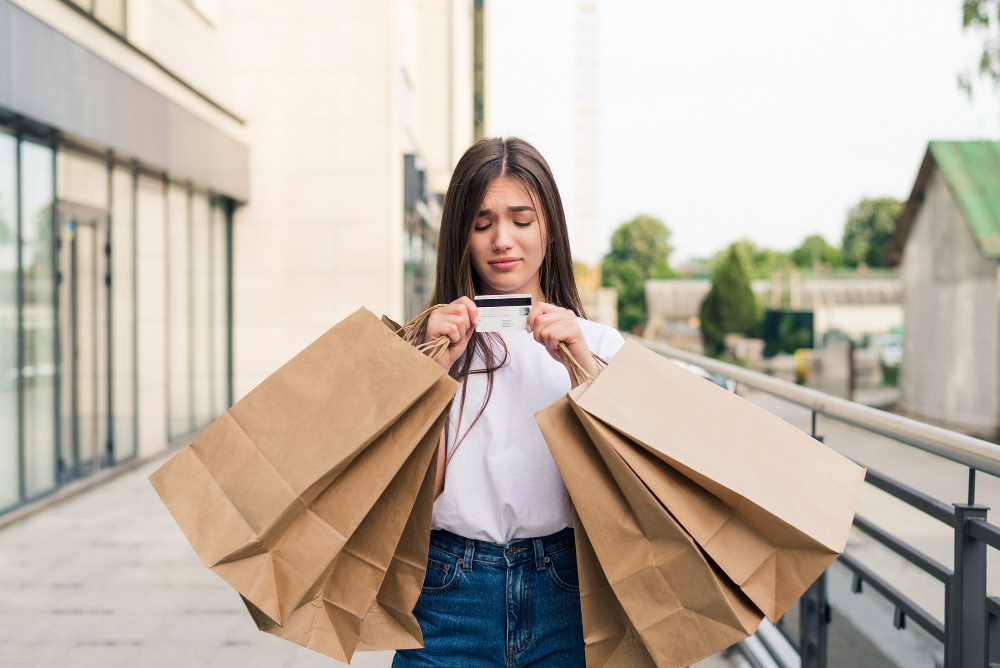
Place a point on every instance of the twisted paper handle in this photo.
(434, 349)
(576, 370)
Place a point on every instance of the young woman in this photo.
(501, 587)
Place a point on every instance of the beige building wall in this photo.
(184, 37)
(332, 104)
(328, 96)
(444, 124)
(193, 95)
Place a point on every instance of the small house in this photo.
(947, 242)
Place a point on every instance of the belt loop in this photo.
(539, 553)
(470, 549)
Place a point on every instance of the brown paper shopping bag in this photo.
(676, 607)
(769, 504)
(309, 496)
(344, 615)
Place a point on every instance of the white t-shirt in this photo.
(502, 483)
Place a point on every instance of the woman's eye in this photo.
(486, 227)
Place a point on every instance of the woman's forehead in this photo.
(506, 192)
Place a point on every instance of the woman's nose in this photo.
(502, 239)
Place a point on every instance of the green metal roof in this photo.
(972, 171)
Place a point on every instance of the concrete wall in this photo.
(951, 371)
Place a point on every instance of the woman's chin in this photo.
(507, 287)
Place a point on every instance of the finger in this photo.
(462, 322)
(451, 330)
(472, 309)
(549, 335)
(555, 334)
(543, 320)
(537, 309)
(463, 315)
(458, 309)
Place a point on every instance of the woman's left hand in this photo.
(550, 324)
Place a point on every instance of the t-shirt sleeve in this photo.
(603, 340)
(611, 342)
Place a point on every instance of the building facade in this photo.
(947, 242)
(191, 191)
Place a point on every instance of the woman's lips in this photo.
(505, 263)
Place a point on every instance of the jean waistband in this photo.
(520, 549)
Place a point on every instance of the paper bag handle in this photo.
(576, 370)
(434, 349)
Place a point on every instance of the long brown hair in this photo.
(482, 164)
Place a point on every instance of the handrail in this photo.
(968, 450)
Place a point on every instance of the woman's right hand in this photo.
(457, 321)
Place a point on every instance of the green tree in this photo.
(813, 248)
(984, 16)
(760, 262)
(870, 226)
(730, 306)
(640, 250)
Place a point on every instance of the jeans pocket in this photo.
(441, 576)
(562, 570)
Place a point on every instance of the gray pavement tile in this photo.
(72, 629)
(173, 655)
(202, 628)
(98, 656)
(18, 628)
(246, 656)
(32, 656)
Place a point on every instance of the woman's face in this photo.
(508, 241)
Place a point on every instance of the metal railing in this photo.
(970, 633)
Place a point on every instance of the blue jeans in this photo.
(487, 605)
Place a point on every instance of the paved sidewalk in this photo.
(107, 579)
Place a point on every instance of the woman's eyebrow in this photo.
(510, 209)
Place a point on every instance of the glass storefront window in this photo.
(151, 311)
(69, 379)
(82, 179)
(201, 325)
(123, 392)
(179, 395)
(220, 311)
(83, 217)
(37, 262)
(10, 437)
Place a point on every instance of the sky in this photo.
(766, 120)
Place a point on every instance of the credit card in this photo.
(503, 313)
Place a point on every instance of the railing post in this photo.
(814, 615)
(965, 615)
